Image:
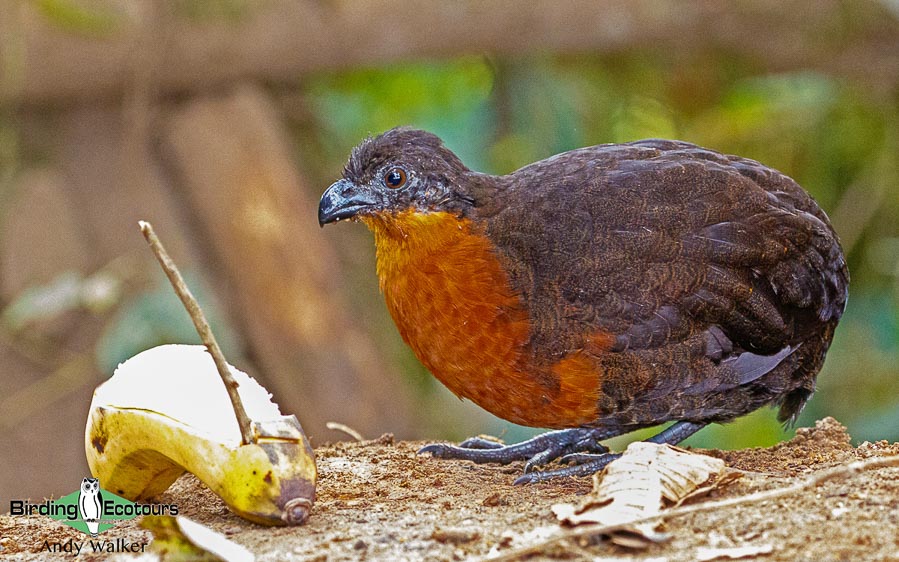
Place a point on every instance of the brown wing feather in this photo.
(703, 266)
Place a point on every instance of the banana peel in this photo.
(165, 411)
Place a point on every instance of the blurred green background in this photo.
(248, 116)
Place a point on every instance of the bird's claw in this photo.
(540, 459)
(537, 451)
(585, 468)
(478, 454)
(594, 457)
(438, 450)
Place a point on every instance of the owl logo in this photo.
(90, 503)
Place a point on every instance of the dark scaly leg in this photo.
(538, 450)
(480, 443)
(588, 464)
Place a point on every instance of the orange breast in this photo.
(454, 305)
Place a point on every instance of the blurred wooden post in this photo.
(257, 218)
(75, 214)
(281, 41)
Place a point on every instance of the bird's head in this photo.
(401, 170)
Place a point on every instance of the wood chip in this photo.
(455, 536)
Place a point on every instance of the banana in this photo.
(165, 411)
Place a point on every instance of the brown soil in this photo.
(377, 500)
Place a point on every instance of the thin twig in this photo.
(765, 495)
(336, 426)
(202, 326)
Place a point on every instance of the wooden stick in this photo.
(203, 329)
(765, 495)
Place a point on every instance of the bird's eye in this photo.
(395, 178)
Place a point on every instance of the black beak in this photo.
(343, 200)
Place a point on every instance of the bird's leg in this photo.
(537, 450)
(587, 464)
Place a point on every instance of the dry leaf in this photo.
(638, 484)
(726, 478)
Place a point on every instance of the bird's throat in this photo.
(410, 238)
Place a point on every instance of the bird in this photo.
(90, 504)
(598, 291)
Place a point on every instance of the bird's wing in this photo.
(660, 242)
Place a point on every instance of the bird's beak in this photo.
(343, 200)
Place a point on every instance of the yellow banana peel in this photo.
(166, 411)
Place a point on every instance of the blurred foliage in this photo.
(9, 160)
(834, 138)
(157, 317)
(71, 16)
(200, 11)
(68, 291)
(449, 99)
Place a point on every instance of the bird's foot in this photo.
(585, 464)
(580, 446)
(536, 451)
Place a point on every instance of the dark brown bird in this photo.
(601, 290)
